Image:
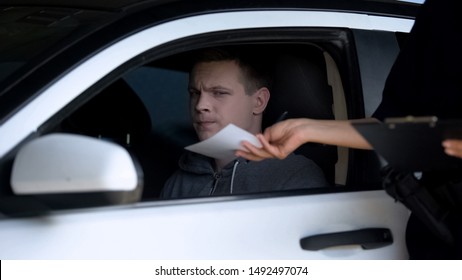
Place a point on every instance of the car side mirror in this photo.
(67, 163)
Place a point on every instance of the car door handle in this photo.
(367, 238)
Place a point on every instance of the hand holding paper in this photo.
(225, 143)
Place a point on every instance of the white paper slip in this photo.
(224, 144)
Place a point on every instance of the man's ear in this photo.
(262, 97)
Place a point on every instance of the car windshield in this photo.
(28, 35)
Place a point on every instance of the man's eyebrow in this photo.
(218, 88)
(212, 88)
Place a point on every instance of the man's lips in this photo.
(204, 123)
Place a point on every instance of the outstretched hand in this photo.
(278, 141)
(453, 147)
(281, 139)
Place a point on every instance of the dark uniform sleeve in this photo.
(425, 79)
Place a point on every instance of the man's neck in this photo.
(220, 163)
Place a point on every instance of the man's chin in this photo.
(205, 136)
(205, 133)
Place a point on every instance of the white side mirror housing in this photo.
(68, 163)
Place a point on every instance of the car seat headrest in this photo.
(299, 87)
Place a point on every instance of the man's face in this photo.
(218, 98)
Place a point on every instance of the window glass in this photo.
(164, 92)
(26, 33)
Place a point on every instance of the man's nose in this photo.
(202, 102)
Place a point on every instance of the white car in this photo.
(94, 115)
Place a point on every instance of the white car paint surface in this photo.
(268, 228)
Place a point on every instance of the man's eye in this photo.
(219, 93)
(194, 92)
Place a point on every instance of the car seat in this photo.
(300, 87)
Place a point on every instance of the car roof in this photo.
(379, 6)
(86, 4)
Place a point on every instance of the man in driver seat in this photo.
(229, 86)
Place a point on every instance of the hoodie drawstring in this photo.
(232, 176)
(217, 177)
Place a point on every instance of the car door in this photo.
(354, 220)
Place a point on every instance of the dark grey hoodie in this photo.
(197, 176)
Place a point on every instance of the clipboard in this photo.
(412, 144)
